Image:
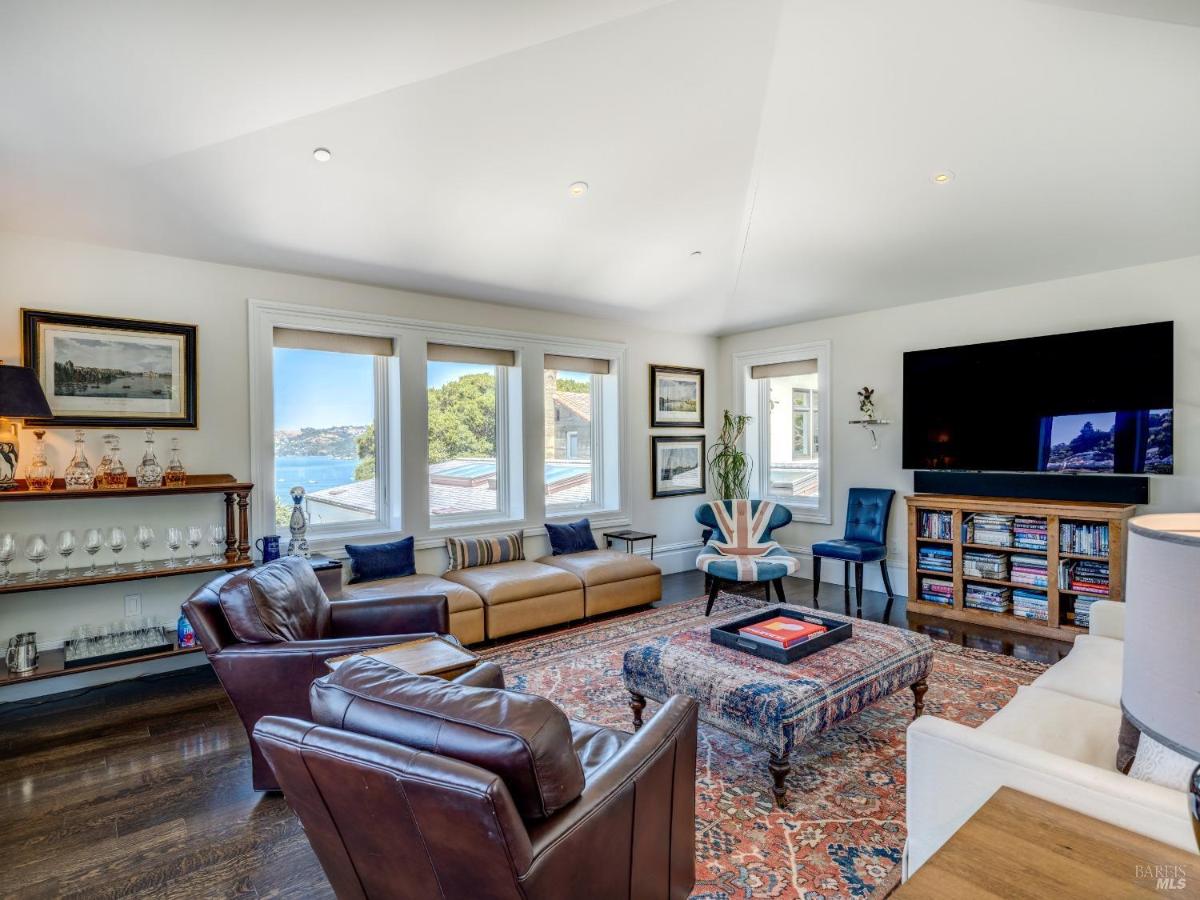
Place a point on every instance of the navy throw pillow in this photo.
(370, 562)
(573, 538)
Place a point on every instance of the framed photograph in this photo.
(677, 462)
(676, 397)
(116, 373)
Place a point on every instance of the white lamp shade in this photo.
(1160, 689)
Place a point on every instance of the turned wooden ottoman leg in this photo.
(637, 703)
(780, 766)
(919, 688)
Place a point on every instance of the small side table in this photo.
(630, 537)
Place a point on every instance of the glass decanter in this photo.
(149, 473)
(176, 475)
(40, 474)
(114, 475)
(101, 473)
(79, 476)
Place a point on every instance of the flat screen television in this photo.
(1090, 402)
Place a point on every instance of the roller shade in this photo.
(783, 369)
(486, 356)
(333, 342)
(578, 364)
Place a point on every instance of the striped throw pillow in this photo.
(468, 552)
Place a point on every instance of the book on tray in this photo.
(783, 631)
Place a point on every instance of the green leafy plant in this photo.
(728, 465)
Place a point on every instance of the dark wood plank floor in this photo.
(142, 788)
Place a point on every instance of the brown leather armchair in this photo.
(267, 632)
(412, 787)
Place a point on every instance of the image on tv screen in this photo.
(1092, 442)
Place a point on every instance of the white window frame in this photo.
(752, 397)
(264, 319)
(407, 449)
(596, 502)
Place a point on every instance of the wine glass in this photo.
(93, 540)
(36, 551)
(65, 547)
(174, 542)
(8, 550)
(194, 536)
(116, 543)
(144, 537)
(216, 537)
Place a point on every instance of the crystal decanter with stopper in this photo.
(176, 475)
(114, 475)
(79, 476)
(149, 473)
(41, 474)
(101, 473)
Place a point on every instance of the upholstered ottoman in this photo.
(522, 595)
(611, 580)
(466, 606)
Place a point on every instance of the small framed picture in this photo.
(117, 373)
(677, 462)
(676, 397)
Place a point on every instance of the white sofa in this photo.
(1056, 739)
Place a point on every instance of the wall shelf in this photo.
(196, 484)
(19, 584)
(51, 664)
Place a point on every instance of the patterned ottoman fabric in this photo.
(778, 706)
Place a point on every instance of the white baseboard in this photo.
(672, 558)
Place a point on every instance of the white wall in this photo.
(867, 350)
(47, 274)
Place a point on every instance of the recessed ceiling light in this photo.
(577, 188)
(697, 253)
(944, 177)
(322, 155)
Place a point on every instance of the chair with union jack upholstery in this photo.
(740, 549)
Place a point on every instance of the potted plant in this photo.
(728, 465)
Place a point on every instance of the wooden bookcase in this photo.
(1060, 598)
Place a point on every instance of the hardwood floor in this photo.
(142, 788)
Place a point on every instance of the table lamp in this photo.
(1160, 682)
(21, 397)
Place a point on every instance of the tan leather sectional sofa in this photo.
(507, 598)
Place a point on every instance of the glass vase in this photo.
(79, 476)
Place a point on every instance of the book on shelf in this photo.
(937, 590)
(989, 529)
(982, 564)
(1085, 539)
(935, 525)
(937, 559)
(783, 631)
(1030, 533)
(991, 599)
(1030, 570)
(1030, 605)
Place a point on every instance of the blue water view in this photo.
(313, 473)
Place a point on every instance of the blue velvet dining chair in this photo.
(865, 541)
(740, 548)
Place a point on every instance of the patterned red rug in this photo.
(842, 832)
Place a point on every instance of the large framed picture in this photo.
(115, 373)
(676, 397)
(677, 462)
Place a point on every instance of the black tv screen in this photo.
(1092, 401)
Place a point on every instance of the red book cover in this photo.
(783, 630)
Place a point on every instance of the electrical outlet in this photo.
(133, 604)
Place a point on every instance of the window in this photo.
(786, 437)
(573, 390)
(325, 441)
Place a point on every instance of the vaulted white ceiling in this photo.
(792, 142)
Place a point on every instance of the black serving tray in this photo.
(727, 635)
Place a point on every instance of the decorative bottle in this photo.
(41, 474)
(185, 633)
(101, 473)
(149, 473)
(298, 525)
(114, 475)
(175, 475)
(79, 476)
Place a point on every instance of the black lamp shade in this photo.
(21, 396)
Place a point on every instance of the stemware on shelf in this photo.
(175, 475)
(36, 551)
(116, 543)
(195, 534)
(93, 540)
(174, 542)
(216, 537)
(149, 472)
(8, 550)
(40, 475)
(144, 537)
(79, 476)
(65, 545)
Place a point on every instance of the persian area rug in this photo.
(843, 830)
